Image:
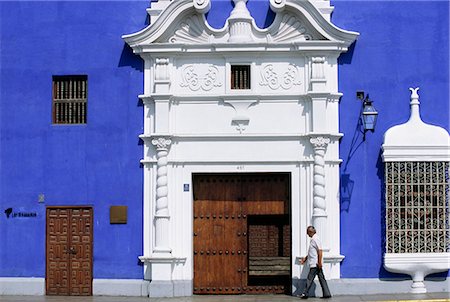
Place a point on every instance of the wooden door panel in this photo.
(81, 272)
(69, 251)
(216, 244)
(57, 256)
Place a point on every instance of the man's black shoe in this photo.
(303, 296)
(326, 297)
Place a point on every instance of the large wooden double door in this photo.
(69, 251)
(241, 233)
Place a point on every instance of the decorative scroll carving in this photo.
(191, 30)
(191, 79)
(320, 142)
(277, 5)
(290, 30)
(273, 79)
(162, 203)
(202, 6)
(161, 143)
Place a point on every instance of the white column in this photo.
(162, 216)
(319, 216)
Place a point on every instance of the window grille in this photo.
(69, 99)
(417, 213)
(240, 77)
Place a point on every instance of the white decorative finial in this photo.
(240, 22)
(414, 95)
(414, 104)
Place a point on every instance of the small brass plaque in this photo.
(118, 214)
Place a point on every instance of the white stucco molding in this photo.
(416, 140)
(417, 265)
(183, 23)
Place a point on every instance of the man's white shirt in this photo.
(313, 253)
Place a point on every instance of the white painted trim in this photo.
(100, 287)
(373, 286)
(120, 287)
(22, 286)
(418, 266)
(136, 287)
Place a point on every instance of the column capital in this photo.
(319, 142)
(162, 142)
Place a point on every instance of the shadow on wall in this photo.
(346, 58)
(346, 182)
(128, 58)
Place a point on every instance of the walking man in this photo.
(314, 259)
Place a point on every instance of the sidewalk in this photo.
(431, 297)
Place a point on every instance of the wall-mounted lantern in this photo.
(369, 114)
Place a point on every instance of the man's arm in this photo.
(319, 256)
(303, 260)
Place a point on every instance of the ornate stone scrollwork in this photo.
(191, 78)
(191, 30)
(320, 142)
(273, 79)
(291, 29)
(161, 143)
(277, 5)
(202, 6)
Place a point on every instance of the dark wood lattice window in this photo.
(70, 99)
(240, 77)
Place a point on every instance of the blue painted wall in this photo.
(95, 164)
(402, 44)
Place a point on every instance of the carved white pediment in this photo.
(286, 28)
(291, 28)
(190, 30)
(183, 22)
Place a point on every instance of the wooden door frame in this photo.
(92, 240)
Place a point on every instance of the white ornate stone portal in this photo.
(283, 119)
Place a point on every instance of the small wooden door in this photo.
(69, 251)
(224, 206)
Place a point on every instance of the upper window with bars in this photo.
(417, 214)
(70, 99)
(240, 77)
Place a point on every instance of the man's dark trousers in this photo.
(313, 271)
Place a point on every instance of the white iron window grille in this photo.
(417, 208)
(69, 99)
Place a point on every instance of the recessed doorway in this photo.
(242, 233)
